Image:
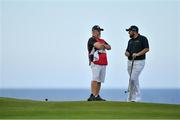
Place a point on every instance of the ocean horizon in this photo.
(165, 96)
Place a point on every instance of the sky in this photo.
(44, 42)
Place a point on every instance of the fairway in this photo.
(26, 109)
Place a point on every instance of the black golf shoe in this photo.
(91, 98)
(98, 98)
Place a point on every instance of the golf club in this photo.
(130, 75)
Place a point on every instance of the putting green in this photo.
(27, 109)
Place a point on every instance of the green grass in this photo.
(27, 109)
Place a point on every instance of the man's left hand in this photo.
(108, 47)
(135, 55)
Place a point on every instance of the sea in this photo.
(165, 96)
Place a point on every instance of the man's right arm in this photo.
(127, 54)
(98, 45)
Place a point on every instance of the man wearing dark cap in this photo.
(136, 51)
(98, 61)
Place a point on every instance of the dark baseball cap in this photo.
(96, 27)
(133, 28)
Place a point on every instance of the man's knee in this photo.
(96, 82)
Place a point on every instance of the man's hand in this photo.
(108, 47)
(135, 55)
(144, 51)
(127, 54)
